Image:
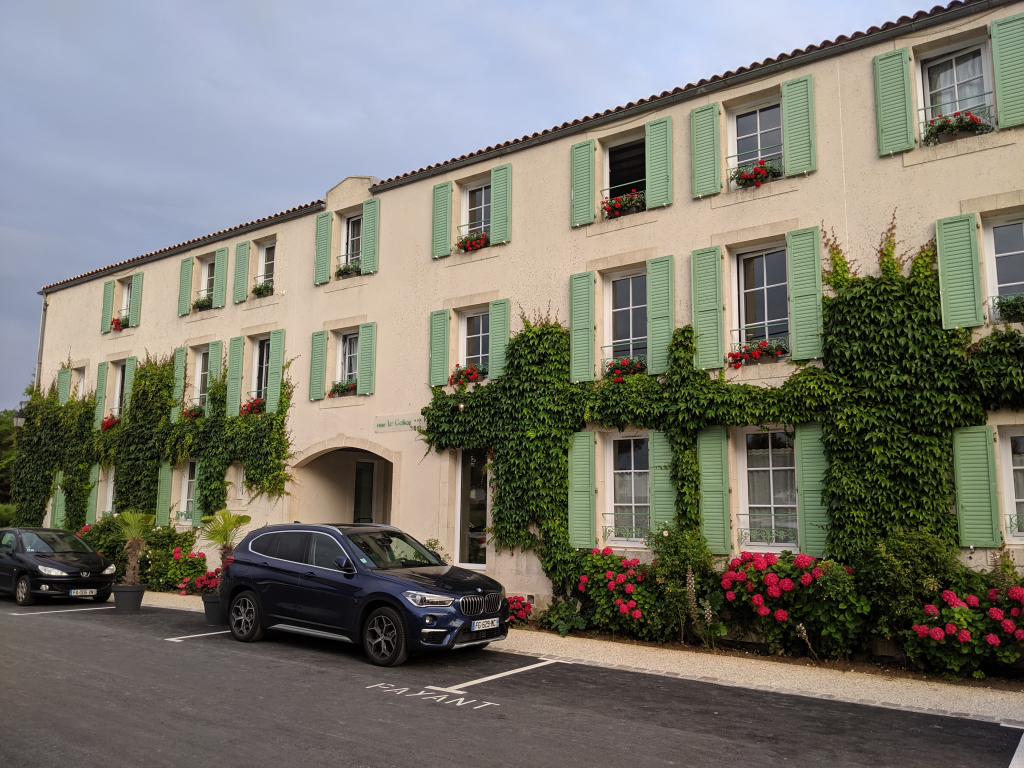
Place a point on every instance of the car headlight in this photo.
(428, 599)
(47, 571)
(109, 570)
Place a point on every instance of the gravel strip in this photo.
(874, 690)
(173, 600)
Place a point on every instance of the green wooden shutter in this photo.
(322, 266)
(135, 306)
(129, 379)
(811, 465)
(663, 490)
(220, 277)
(366, 358)
(705, 160)
(441, 222)
(236, 349)
(581, 327)
(58, 503)
(318, 365)
(1008, 58)
(501, 204)
(107, 313)
(959, 278)
(275, 369)
(581, 159)
(708, 311)
(163, 494)
(197, 509)
(894, 113)
(94, 487)
(661, 305)
(216, 355)
(101, 395)
(240, 291)
(798, 141)
(977, 496)
(179, 382)
(500, 316)
(368, 247)
(63, 385)
(185, 287)
(439, 347)
(713, 463)
(803, 261)
(582, 487)
(658, 161)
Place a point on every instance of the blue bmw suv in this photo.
(359, 583)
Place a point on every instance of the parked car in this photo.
(372, 585)
(49, 562)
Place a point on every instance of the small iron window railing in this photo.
(769, 536)
(954, 117)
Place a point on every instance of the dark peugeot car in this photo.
(367, 584)
(50, 562)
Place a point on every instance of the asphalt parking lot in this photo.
(81, 686)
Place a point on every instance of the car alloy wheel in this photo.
(23, 592)
(244, 618)
(382, 636)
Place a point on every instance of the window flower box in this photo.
(118, 324)
(263, 289)
(946, 128)
(344, 271)
(192, 412)
(342, 388)
(202, 304)
(757, 173)
(618, 368)
(471, 374)
(623, 205)
(764, 351)
(109, 422)
(253, 406)
(474, 241)
(1009, 309)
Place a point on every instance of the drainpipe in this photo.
(42, 335)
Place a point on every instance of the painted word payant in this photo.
(430, 696)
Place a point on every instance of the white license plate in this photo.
(82, 592)
(476, 626)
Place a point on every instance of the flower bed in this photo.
(474, 241)
(340, 388)
(756, 174)
(620, 367)
(118, 324)
(109, 422)
(631, 202)
(206, 584)
(471, 374)
(518, 610)
(348, 270)
(758, 351)
(953, 125)
(253, 406)
(621, 594)
(202, 303)
(263, 289)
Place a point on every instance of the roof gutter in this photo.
(581, 126)
(39, 351)
(157, 255)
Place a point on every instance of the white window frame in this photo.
(744, 506)
(185, 496)
(989, 255)
(931, 57)
(126, 298)
(373, 491)
(110, 491)
(458, 514)
(464, 334)
(342, 339)
(606, 147)
(472, 187)
(1007, 497)
(347, 239)
(737, 284)
(609, 476)
(118, 389)
(262, 260)
(207, 274)
(609, 331)
(198, 396)
(731, 132)
(256, 365)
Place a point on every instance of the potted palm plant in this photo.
(132, 527)
(222, 529)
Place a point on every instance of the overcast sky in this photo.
(129, 126)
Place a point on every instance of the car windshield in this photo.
(53, 541)
(392, 549)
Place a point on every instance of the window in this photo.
(189, 491)
(629, 316)
(207, 271)
(202, 378)
(478, 337)
(473, 508)
(111, 493)
(1008, 245)
(118, 407)
(1011, 453)
(362, 506)
(322, 551)
(955, 82)
(631, 501)
(261, 370)
(126, 298)
(757, 133)
(477, 211)
(348, 357)
(1015, 522)
(267, 254)
(292, 545)
(764, 296)
(353, 239)
(627, 168)
(265, 544)
(769, 504)
(78, 382)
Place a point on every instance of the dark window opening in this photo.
(626, 179)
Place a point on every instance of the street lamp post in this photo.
(20, 416)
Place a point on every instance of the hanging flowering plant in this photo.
(340, 388)
(117, 324)
(192, 412)
(518, 610)
(473, 241)
(263, 289)
(616, 206)
(110, 421)
(619, 367)
(471, 374)
(202, 303)
(958, 122)
(252, 406)
(758, 351)
(347, 270)
(756, 174)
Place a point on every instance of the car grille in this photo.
(483, 634)
(473, 605)
(492, 602)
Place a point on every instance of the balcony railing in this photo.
(1006, 308)
(1015, 525)
(124, 313)
(769, 536)
(263, 285)
(636, 199)
(771, 159)
(475, 228)
(116, 411)
(631, 363)
(939, 121)
(761, 338)
(350, 256)
(628, 532)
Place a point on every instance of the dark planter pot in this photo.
(214, 615)
(128, 599)
(350, 274)
(945, 138)
(631, 209)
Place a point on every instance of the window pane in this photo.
(640, 454)
(623, 517)
(778, 308)
(1018, 484)
(473, 325)
(759, 489)
(770, 143)
(620, 325)
(472, 346)
(639, 290)
(784, 487)
(473, 518)
(640, 322)
(746, 124)
(324, 550)
(623, 454)
(1009, 239)
(968, 66)
(1017, 452)
(759, 518)
(485, 323)
(770, 117)
(623, 488)
(775, 267)
(641, 493)
(747, 149)
(757, 449)
(756, 271)
(1010, 269)
(940, 76)
(782, 449)
(754, 307)
(291, 545)
(620, 294)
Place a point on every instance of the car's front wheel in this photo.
(384, 638)
(23, 592)
(244, 618)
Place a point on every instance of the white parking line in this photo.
(458, 688)
(63, 610)
(1018, 756)
(189, 637)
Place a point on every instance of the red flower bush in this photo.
(614, 207)
(758, 351)
(109, 422)
(253, 406)
(628, 604)
(117, 324)
(471, 374)
(757, 173)
(207, 584)
(519, 610)
(620, 367)
(473, 241)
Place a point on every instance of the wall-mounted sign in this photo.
(402, 422)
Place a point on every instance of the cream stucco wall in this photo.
(854, 192)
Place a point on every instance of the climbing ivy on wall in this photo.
(892, 386)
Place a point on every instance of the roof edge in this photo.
(937, 15)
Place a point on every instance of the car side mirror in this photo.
(344, 564)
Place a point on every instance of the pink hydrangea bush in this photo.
(620, 595)
(206, 584)
(519, 610)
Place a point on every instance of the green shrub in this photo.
(623, 596)
(162, 570)
(563, 616)
(679, 554)
(6, 515)
(104, 536)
